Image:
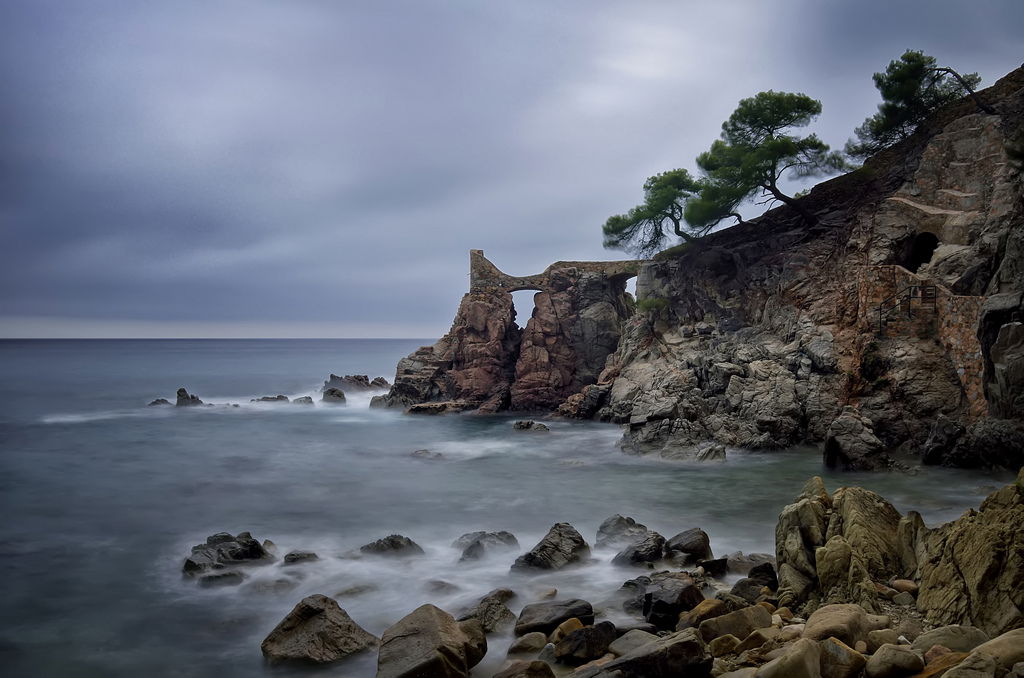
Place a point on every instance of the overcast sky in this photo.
(320, 168)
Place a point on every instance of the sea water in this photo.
(102, 498)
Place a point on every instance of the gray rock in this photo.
(646, 549)
(668, 596)
(585, 644)
(739, 623)
(847, 622)
(223, 550)
(693, 544)
(618, 531)
(851, 444)
(529, 643)
(429, 642)
(801, 660)
(561, 546)
(185, 399)
(491, 611)
(974, 666)
(545, 617)
(476, 545)
(221, 578)
(303, 400)
(160, 401)
(334, 396)
(300, 557)
(270, 399)
(393, 545)
(316, 631)
(528, 425)
(714, 452)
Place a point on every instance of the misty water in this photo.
(102, 498)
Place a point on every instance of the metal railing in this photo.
(903, 301)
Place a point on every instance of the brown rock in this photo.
(316, 631)
(739, 623)
(723, 645)
(708, 608)
(523, 669)
(564, 629)
(839, 660)
(429, 642)
(846, 622)
(940, 665)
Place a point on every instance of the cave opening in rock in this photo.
(522, 301)
(918, 251)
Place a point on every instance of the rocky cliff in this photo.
(894, 323)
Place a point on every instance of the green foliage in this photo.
(755, 151)
(652, 305)
(911, 88)
(643, 230)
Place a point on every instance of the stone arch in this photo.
(485, 276)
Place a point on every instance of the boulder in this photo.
(585, 644)
(750, 590)
(739, 623)
(839, 660)
(316, 631)
(619, 531)
(294, 557)
(185, 399)
(705, 609)
(801, 660)
(647, 549)
(757, 638)
(846, 622)
(974, 666)
(893, 661)
(682, 653)
(564, 629)
(1007, 649)
(764, 574)
(224, 550)
(529, 425)
(741, 563)
(303, 400)
(475, 545)
(851, 444)
(545, 617)
(692, 545)
(526, 669)
(971, 568)
(723, 645)
(716, 567)
(630, 641)
(429, 642)
(876, 639)
(333, 396)
(392, 545)
(491, 611)
(561, 546)
(159, 401)
(529, 643)
(713, 452)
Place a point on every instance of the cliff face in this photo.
(770, 329)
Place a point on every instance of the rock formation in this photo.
(487, 362)
(844, 548)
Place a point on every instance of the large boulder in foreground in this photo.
(316, 631)
(223, 550)
(429, 642)
(561, 546)
(972, 569)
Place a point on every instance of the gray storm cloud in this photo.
(269, 168)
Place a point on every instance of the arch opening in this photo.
(918, 251)
(522, 302)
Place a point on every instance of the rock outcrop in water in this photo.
(487, 362)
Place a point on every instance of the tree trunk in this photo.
(808, 218)
(963, 83)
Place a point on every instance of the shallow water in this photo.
(102, 498)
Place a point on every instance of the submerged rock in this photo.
(618, 531)
(300, 557)
(303, 400)
(491, 611)
(160, 401)
(270, 399)
(690, 546)
(316, 631)
(851, 444)
(545, 617)
(529, 425)
(646, 549)
(355, 382)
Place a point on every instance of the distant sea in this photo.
(102, 498)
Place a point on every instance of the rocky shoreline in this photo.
(854, 589)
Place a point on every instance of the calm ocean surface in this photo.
(102, 498)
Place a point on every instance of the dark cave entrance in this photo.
(918, 251)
